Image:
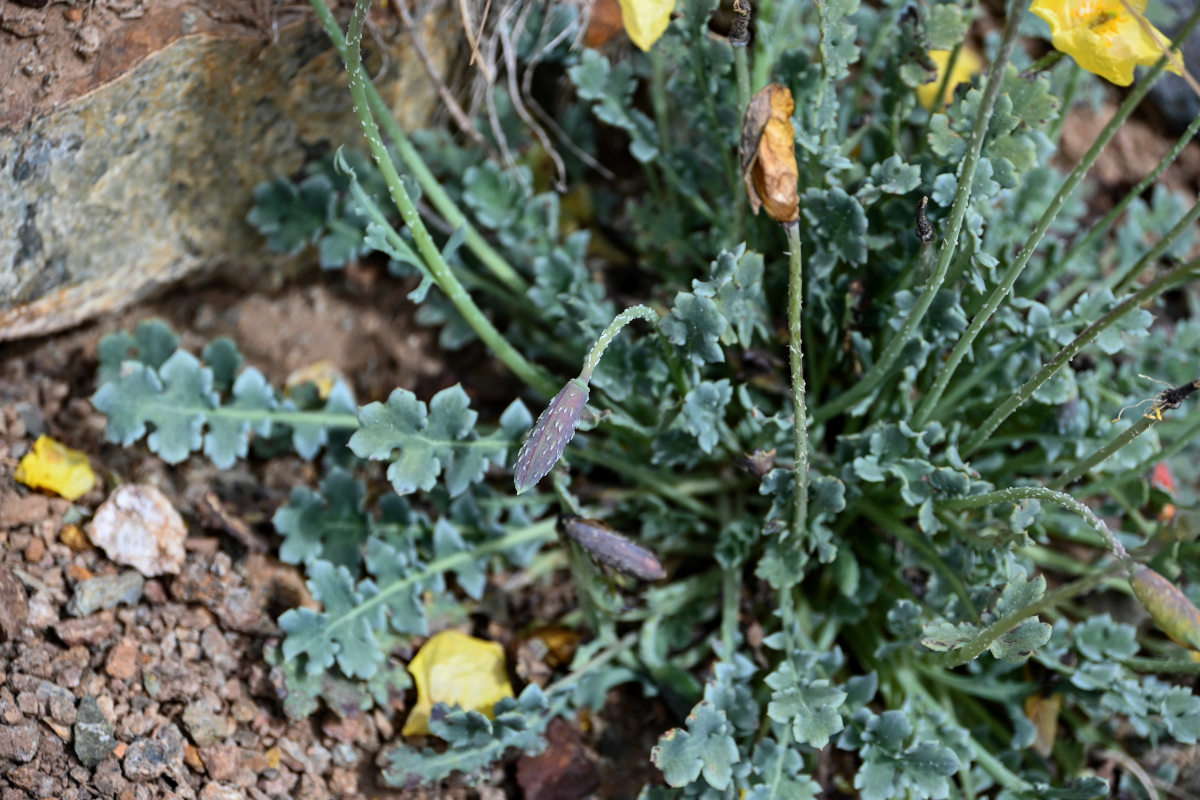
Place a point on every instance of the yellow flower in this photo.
(968, 65)
(457, 670)
(1102, 36)
(54, 466)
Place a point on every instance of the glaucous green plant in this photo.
(859, 537)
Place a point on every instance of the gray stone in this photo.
(146, 173)
(108, 591)
(19, 742)
(94, 738)
(14, 608)
(145, 760)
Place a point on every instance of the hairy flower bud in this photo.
(607, 546)
(550, 435)
(1170, 608)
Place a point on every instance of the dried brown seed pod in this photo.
(607, 546)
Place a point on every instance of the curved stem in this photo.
(1181, 441)
(1176, 276)
(1177, 666)
(441, 272)
(1152, 255)
(925, 409)
(1085, 466)
(1014, 493)
(433, 190)
(984, 639)
(796, 355)
(958, 210)
(620, 321)
(1102, 227)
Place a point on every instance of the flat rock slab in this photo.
(126, 166)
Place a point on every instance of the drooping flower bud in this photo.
(607, 546)
(550, 435)
(1170, 608)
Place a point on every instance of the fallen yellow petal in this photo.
(323, 374)
(646, 20)
(966, 66)
(54, 466)
(458, 670)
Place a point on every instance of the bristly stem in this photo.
(433, 190)
(1186, 224)
(984, 639)
(441, 272)
(1176, 276)
(946, 372)
(614, 327)
(1085, 466)
(1102, 227)
(1014, 493)
(796, 354)
(958, 211)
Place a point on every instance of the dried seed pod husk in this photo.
(607, 546)
(1170, 608)
(550, 435)
(768, 154)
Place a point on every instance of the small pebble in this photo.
(122, 660)
(138, 526)
(19, 742)
(106, 592)
(35, 550)
(205, 727)
(74, 537)
(58, 702)
(218, 791)
(14, 608)
(145, 760)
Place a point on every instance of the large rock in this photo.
(130, 160)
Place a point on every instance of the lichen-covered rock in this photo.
(94, 738)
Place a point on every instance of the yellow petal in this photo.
(1043, 713)
(458, 670)
(54, 466)
(1102, 36)
(966, 67)
(323, 374)
(646, 20)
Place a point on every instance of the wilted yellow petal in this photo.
(1043, 713)
(54, 466)
(646, 20)
(458, 670)
(1102, 36)
(966, 66)
(768, 154)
